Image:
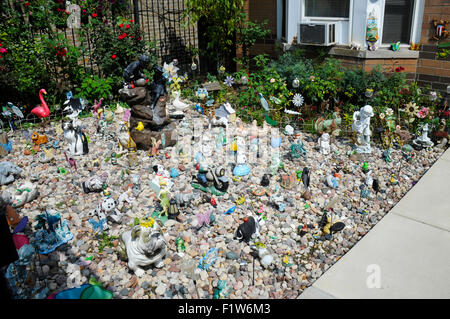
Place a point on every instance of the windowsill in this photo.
(380, 53)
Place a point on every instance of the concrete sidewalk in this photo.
(406, 255)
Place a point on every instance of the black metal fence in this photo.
(160, 22)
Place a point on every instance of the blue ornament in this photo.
(174, 173)
(241, 170)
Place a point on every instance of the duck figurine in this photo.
(140, 126)
(177, 103)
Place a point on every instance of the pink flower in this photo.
(3, 50)
(423, 113)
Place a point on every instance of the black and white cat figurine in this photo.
(76, 139)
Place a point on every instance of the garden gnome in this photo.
(324, 144)
(361, 125)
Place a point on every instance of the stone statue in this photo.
(423, 141)
(361, 125)
(324, 143)
(133, 72)
(142, 247)
(158, 86)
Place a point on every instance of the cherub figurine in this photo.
(361, 125)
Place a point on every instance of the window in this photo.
(327, 8)
(397, 21)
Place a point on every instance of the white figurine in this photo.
(369, 179)
(361, 125)
(423, 141)
(324, 144)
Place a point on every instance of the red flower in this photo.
(121, 25)
(27, 4)
(113, 56)
(123, 35)
(132, 21)
(127, 26)
(139, 38)
(131, 36)
(94, 15)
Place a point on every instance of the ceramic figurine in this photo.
(361, 125)
(324, 144)
(158, 86)
(7, 172)
(107, 210)
(305, 177)
(248, 229)
(241, 169)
(41, 111)
(423, 141)
(39, 139)
(275, 162)
(25, 193)
(95, 183)
(76, 139)
(266, 259)
(332, 181)
(369, 179)
(288, 181)
(265, 180)
(142, 247)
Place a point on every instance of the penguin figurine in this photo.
(305, 177)
(376, 185)
(265, 180)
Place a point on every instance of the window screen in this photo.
(397, 21)
(327, 8)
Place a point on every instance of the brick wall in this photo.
(433, 72)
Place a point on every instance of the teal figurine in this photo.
(174, 173)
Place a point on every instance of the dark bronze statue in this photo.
(133, 71)
(158, 86)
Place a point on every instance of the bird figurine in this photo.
(7, 147)
(42, 111)
(305, 177)
(263, 101)
(376, 185)
(177, 103)
(140, 126)
(71, 161)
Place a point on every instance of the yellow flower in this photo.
(411, 109)
(147, 223)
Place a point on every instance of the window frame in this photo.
(306, 18)
(415, 18)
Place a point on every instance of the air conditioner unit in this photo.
(318, 33)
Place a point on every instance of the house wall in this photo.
(432, 71)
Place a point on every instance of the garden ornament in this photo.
(361, 125)
(265, 180)
(107, 210)
(369, 179)
(158, 86)
(7, 172)
(208, 259)
(177, 103)
(39, 139)
(139, 127)
(387, 155)
(9, 115)
(305, 177)
(75, 106)
(332, 181)
(95, 184)
(133, 71)
(70, 161)
(173, 211)
(141, 247)
(76, 139)
(25, 193)
(298, 150)
(395, 46)
(440, 29)
(222, 291)
(372, 31)
(423, 141)
(241, 169)
(203, 218)
(248, 229)
(376, 186)
(96, 106)
(324, 144)
(47, 241)
(5, 145)
(42, 111)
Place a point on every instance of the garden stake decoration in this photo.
(372, 31)
(440, 29)
(42, 111)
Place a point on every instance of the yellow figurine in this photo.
(140, 126)
(240, 200)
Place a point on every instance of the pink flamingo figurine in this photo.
(71, 161)
(41, 111)
(97, 105)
